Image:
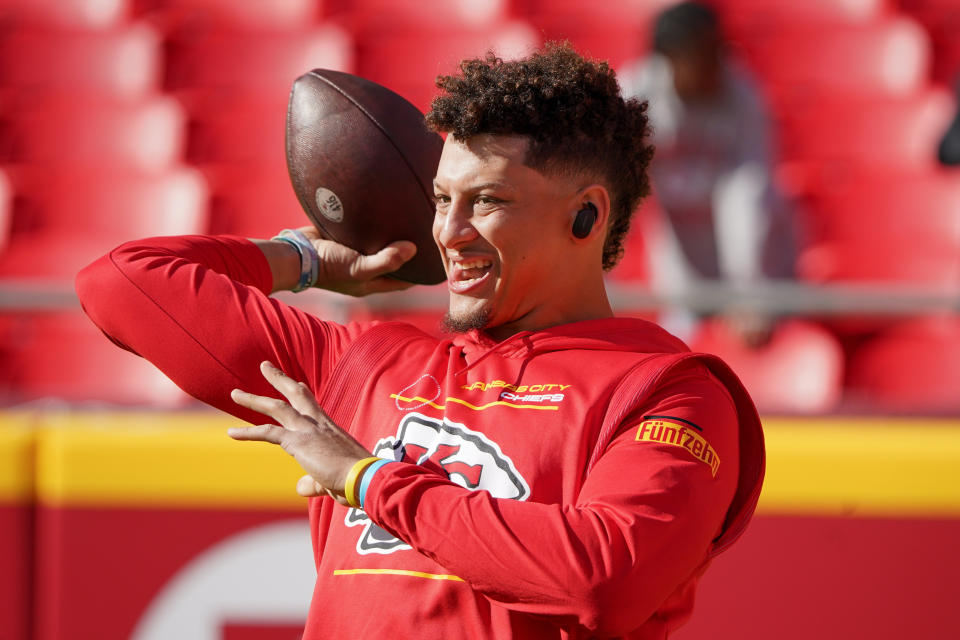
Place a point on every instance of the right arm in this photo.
(198, 308)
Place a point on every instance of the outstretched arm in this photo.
(198, 308)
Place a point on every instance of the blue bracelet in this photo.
(309, 260)
(367, 476)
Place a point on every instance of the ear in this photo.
(599, 197)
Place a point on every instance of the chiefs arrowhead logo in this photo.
(467, 457)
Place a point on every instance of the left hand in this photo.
(324, 450)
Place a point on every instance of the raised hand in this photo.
(324, 450)
(341, 269)
(347, 271)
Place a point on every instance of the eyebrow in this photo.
(481, 187)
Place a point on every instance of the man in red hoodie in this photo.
(548, 470)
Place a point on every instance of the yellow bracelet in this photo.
(353, 480)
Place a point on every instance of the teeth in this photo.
(474, 264)
(468, 271)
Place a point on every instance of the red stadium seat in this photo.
(6, 208)
(458, 14)
(428, 53)
(617, 31)
(61, 357)
(942, 20)
(65, 14)
(617, 43)
(799, 371)
(947, 58)
(745, 18)
(255, 15)
(266, 62)
(883, 261)
(255, 201)
(595, 12)
(896, 229)
(888, 133)
(889, 57)
(123, 63)
(66, 218)
(929, 7)
(914, 367)
(913, 208)
(147, 134)
(236, 127)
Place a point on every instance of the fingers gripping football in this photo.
(347, 271)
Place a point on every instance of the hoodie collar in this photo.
(603, 334)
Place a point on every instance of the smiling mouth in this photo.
(467, 273)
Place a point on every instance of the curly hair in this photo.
(571, 110)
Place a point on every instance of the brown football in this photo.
(362, 162)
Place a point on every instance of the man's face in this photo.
(503, 230)
(697, 69)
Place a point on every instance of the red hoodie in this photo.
(564, 483)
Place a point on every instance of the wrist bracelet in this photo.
(350, 486)
(309, 260)
(368, 474)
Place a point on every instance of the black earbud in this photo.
(583, 223)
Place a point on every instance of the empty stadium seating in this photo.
(102, 100)
(65, 14)
(147, 133)
(236, 127)
(912, 368)
(918, 208)
(868, 132)
(617, 43)
(596, 12)
(6, 205)
(71, 216)
(263, 62)
(942, 20)
(900, 229)
(883, 261)
(255, 15)
(62, 357)
(251, 200)
(428, 52)
(802, 64)
(402, 14)
(617, 31)
(749, 18)
(124, 62)
(800, 370)
(947, 63)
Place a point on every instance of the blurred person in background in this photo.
(712, 173)
(949, 151)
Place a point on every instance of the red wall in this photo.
(16, 568)
(833, 578)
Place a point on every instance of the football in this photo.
(362, 162)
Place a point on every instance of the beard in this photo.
(465, 322)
